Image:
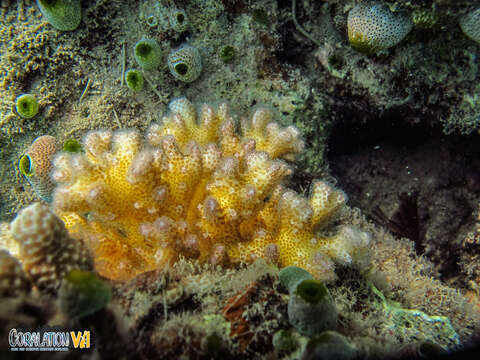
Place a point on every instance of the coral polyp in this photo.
(196, 189)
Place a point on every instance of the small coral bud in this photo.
(207, 116)
(249, 146)
(79, 164)
(272, 253)
(184, 108)
(146, 230)
(126, 143)
(154, 135)
(140, 168)
(185, 63)
(296, 208)
(98, 142)
(170, 149)
(248, 194)
(228, 168)
(160, 194)
(147, 53)
(178, 20)
(211, 157)
(134, 79)
(26, 106)
(326, 201)
(261, 117)
(219, 255)
(372, 27)
(192, 246)
(470, 24)
(63, 15)
(322, 266)
(211, 209)
(67, 201)
(97, 197)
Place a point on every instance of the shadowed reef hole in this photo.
(391, 169)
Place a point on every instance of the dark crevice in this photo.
(411, 179)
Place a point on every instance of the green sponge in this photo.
(147, 53)
(134, 79)
(329, 345)
(63, 15)
(83, 293)
(311, 308)
(26, 106)
(290, 276)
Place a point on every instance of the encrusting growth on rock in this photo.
(197, 189)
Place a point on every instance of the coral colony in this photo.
(196, 188)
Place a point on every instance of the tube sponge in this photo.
(178, 20)
(185, 63)
(147, 53)
(26, 106)
(134, 80)
(372, 27)
(311, 308)
(36, 166)
(470, 24)
(329, 345)
(63, 15)
(290, 276)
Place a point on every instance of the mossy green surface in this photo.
(63, 15)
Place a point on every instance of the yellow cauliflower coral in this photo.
(194, 188)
